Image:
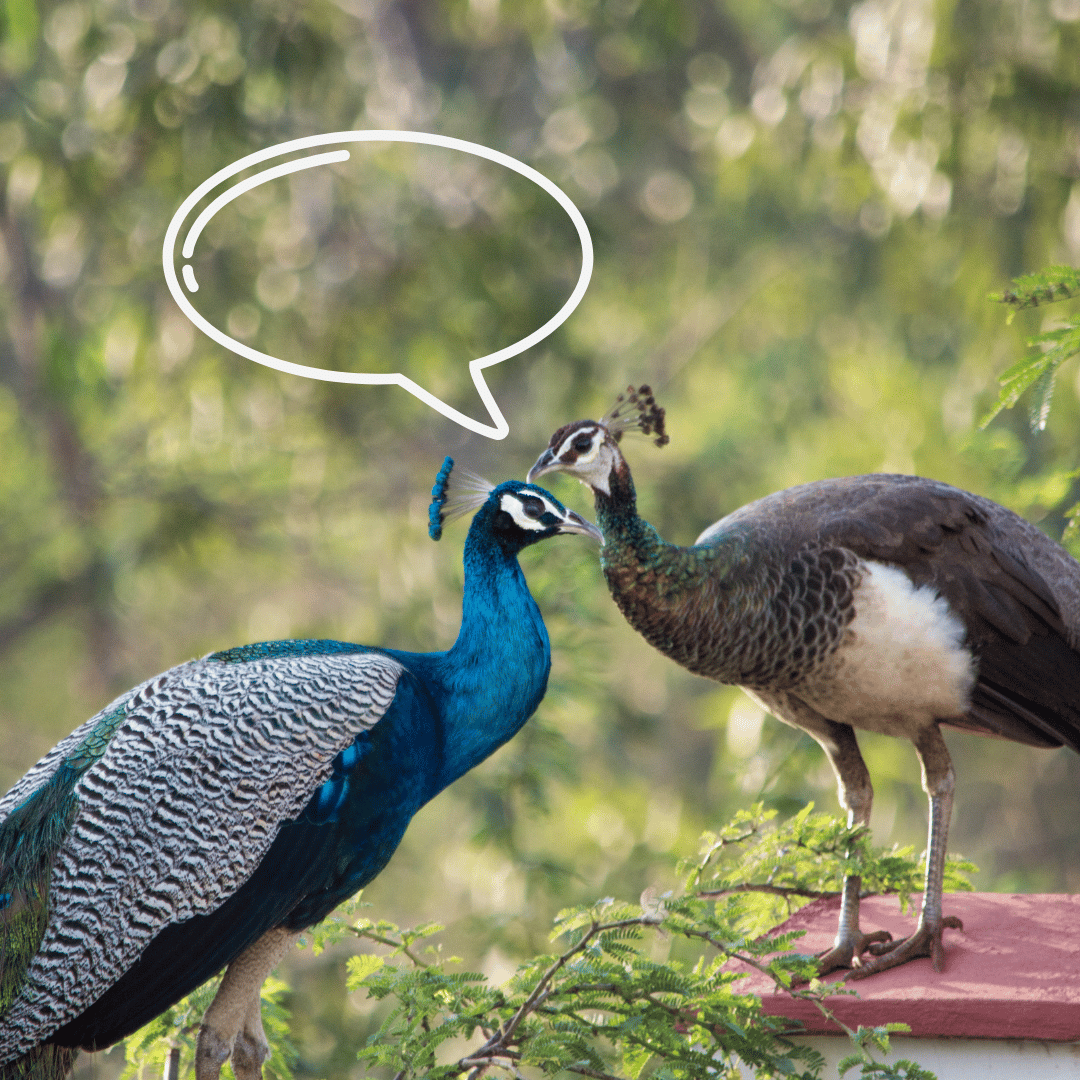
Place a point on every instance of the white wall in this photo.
(965, 1059)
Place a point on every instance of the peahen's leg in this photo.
(856, 794)
(232, 1026)
(938, 783)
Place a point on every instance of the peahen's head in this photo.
(513, 515)
(589, 449)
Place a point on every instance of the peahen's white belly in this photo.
(902, 662)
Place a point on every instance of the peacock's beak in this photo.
(575, 523)
(545, 463)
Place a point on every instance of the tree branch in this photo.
(772, 890)
(500, 1042)
(399, 946)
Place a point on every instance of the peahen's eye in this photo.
(582, 443)
(532, 506)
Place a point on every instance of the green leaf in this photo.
(360, 967)
(336, 927)
(1057, 345)
(1044, 287)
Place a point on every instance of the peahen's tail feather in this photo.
(45, 1062)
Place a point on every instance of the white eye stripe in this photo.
(567, 447)
(512, 505)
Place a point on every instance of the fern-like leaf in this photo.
(1057, 345)
(1044, 287)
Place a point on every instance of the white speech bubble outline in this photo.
(500, 429)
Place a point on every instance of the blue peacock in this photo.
(892, 604)
(206, 817)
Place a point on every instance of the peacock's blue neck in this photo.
(493, 678)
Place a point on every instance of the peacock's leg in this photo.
(856, 794)
(232, 1026)
(938, 783)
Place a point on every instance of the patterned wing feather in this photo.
(37, 774)
(1017, 592)
(177, 808)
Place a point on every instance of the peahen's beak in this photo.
(575, 523)
(545, 463)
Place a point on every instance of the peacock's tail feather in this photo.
(47, 1061)
(30, 837)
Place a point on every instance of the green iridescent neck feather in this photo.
(682, 600)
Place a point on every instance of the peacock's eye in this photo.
(582, 443)
(532, 506)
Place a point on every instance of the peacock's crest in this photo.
(454, 495)
(636, 410)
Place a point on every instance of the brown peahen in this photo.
(887, 603)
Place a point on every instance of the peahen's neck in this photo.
(664, 590)
(625, 533)
(492, 679)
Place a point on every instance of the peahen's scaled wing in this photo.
(1017, 592)
(158, 809)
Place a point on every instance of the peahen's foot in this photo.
(926, 941)
(848, 947)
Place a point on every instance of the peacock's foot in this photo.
(926, 941)
(232, 1026)
(211, 1052)
(246, 1048)
(233, 1031)
(248, 1056)
(849, 947)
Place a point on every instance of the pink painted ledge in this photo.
(1013, 972)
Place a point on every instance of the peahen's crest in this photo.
(455, 494)
(636, 410)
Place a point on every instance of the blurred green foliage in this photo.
(654, 988)
(799, 208)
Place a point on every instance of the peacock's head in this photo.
(515, 514)
(589, 449)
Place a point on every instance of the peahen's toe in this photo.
(926, 941)
(848, 948)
